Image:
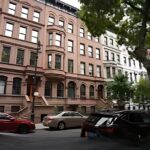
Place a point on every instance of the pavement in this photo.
(40, 126)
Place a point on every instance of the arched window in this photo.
(71, 89)
(48, 88)
(60, 90)
(16, 86)
(82, 90)
(3, 81)
(91, 91)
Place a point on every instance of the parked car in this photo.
(9, 123)
(131, 124)
(65, 119)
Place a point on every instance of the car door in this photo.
(6, 124)
(67, 119)
(77, 119)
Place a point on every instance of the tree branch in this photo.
(133, 6)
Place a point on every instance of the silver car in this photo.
(65, 119)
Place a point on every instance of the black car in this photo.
(131, 124)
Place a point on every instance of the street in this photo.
(45, 139)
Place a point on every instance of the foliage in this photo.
(129, 19)
(142, 92)
(120, 89)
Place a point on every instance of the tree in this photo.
(129, 19)
(142, 92)
(120, 89)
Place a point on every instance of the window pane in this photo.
(20, 57)
(36, 16)
(34, 36)
(6, 54)
(51, 20)
(22, 33)
(11, 9)
(9, 29)
(24, 12)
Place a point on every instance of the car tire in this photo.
(61, 126)
(23, 129)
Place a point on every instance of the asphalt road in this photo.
(63, 140)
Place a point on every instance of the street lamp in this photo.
(34, 88)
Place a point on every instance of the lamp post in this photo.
(34, 88)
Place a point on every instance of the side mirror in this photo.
(12, 119)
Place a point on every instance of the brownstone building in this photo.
(45, 42)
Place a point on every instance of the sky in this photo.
(74, 3)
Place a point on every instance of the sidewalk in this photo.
(40, 126)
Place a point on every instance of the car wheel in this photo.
(23, 129)
(61, 126)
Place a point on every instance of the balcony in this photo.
(110, 63)
(55, 28)
(55, 74)
(31, 70)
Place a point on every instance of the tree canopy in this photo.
(120, 89)
(142, 92)
(129, 19)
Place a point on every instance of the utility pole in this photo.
(34, 88)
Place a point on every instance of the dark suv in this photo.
(131, 124)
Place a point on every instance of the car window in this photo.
(135, 117)
(93, 119)
(4, 116)
(146, 117)
(76, 114)
(66, 114)
(105, 121)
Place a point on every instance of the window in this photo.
(34, 37)
(6, 54)
(16, 86)
(97, 53)
(36, 16)
(71, 89)
(129, 62)
(20, 57)
(118, 58)
(22, 33)
(82, 49)
(126, 73)
(83, 109)
(70, 28)
(90, 51)
(3, 82)
(106, 55)
(111, 42)
(82, 68)
(98, 71)
(91, 70)
(48, 88)
(24, 12)
(134, 63)
(108, 72)
(9, 29)
(33, 59)
(91, 89)
(105, 40)
(61, 23)
(81, 32)
(58, 40)
(89, 35)
(57, 61)
(49, 61)
(1, 108)
(112, 56)
(70, 66)
(50, 38)
(125, 60)
(131, 79)
(140, 65)
(97, 39)
(82, 91)
(51, 20)
(113, 71)
(15, 108)
(60, 90)
(135, 76)
(70, 46)
(12, 8)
